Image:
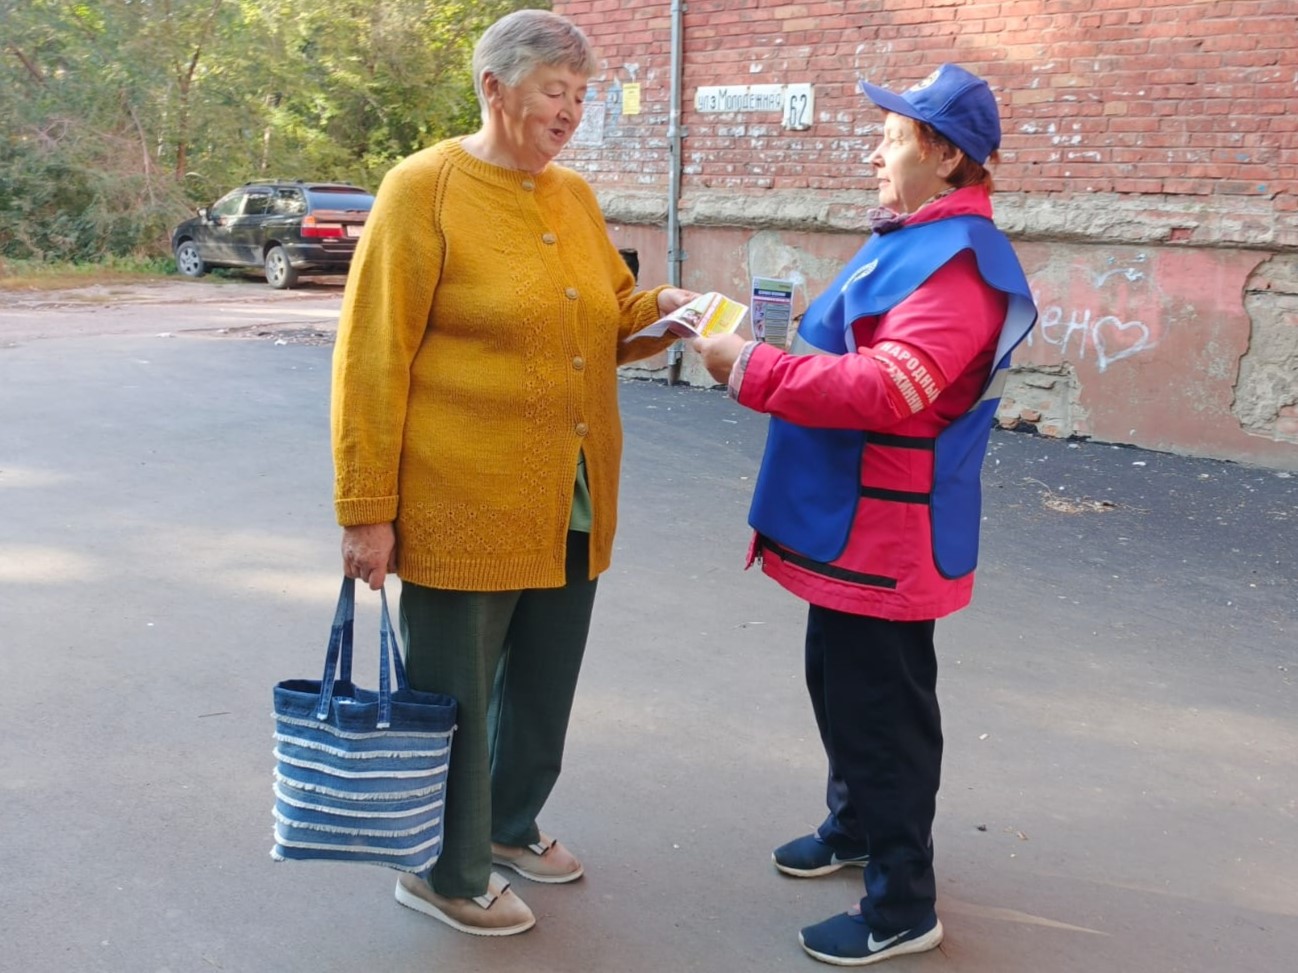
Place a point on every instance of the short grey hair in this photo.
(517, 44)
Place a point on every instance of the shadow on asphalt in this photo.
(1119, 701)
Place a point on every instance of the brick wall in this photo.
(1148, 175)
(1160, 97)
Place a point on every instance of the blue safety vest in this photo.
(810, 480)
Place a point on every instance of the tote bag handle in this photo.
(338, 657)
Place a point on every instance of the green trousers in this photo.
(511, 660)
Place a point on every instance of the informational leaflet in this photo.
(706, 316)
(772, 309)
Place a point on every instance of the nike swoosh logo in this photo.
(873, 945)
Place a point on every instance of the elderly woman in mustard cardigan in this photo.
(477, 445)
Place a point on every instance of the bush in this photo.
(54, 209)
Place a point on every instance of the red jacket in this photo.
(950, 324)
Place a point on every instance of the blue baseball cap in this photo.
(959, 105)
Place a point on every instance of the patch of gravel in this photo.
(280, 336)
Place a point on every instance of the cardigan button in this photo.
(582, 429)
(571, 292)
(528, 185)
(549, 238)
(579, 363)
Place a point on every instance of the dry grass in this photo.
(1070, 505)
(34, 276)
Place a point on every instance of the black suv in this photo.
(287, 228)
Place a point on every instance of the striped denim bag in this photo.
(360, 775)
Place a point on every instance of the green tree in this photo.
(117, 115)
(363, 83)
(91, 141)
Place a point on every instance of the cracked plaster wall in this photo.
(1266, 395)
(1144, 340)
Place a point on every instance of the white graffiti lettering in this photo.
(1073, 329)
(1111, 338)
(1130, 273)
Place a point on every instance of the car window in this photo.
(228, 205)
(289, 202)
(259, 202)
(344, 199)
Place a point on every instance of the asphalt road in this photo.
(1120, 790)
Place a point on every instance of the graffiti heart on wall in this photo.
(1099, 321)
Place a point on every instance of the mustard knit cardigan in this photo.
(477, 355)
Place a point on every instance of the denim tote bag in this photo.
(360, 775)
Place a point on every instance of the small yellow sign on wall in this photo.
(631, 99)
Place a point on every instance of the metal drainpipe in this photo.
(674, 136)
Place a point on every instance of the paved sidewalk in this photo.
(1120, 785)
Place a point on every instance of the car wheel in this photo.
(188, 262)
(279, 272)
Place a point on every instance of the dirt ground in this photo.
(210, 307)
(167, 290)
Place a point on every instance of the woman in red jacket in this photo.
(868, 502)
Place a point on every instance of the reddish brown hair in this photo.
(968, 172)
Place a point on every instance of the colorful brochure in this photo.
(706, 316)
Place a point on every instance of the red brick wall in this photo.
(1150, 97)
(1149, 174)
